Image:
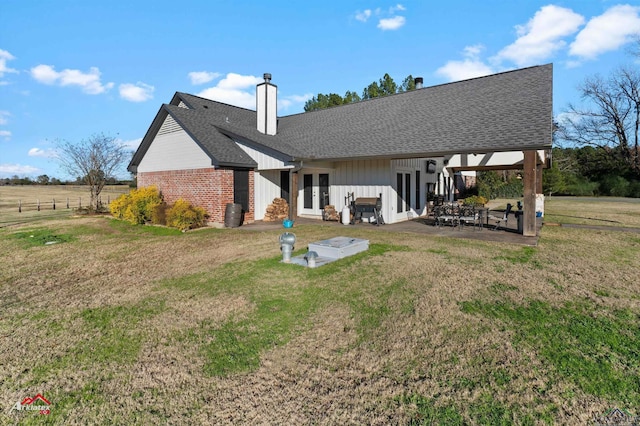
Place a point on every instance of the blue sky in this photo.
(71, 69)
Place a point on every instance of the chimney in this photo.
(418, 82)
(266, 106)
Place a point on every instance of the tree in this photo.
(96, 159)
(612, 121)
(43, 180)
(409, 83)
(384, 86)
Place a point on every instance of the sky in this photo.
(73, 69)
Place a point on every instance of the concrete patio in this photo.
(420, 225)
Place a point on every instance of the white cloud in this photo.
(397, 7)
(4, 57)
(5, 134)
(89, 82)
(542, 36)
(202, 77)
(44, 153)
(614, 28)
(18, 169)
(391, 23)
(288, 101)
(364, 15)
(470, 67)
(138, 92)
(234, 89)
(463, 70)
(3, 117)
(236, 81)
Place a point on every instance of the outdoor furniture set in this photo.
(456, 214)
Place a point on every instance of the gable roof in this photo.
(509, 111)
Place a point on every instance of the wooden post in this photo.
(79, 202)
(67, 202)
(529, 215)
(54, 203)
(539, 179)
(19, 206)
(38, 200)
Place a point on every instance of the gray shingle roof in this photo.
(510, 111)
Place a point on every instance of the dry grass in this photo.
(119, 326)
(11, 196)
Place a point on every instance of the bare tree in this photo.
(95, 159)
(612, 119)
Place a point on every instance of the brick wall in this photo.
(208, 188)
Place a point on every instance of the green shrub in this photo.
(138, 206)
(475, 200)
(183, 215)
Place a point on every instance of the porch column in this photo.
(530, 184)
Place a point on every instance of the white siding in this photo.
(183, 105)
(169, 126)
(174, 150)
(266, 188)
(265, 161)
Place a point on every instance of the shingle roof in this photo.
(510, 111)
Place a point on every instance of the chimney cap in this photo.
(267, 77)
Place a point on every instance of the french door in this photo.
(315, 193)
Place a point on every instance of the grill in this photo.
(366, 208)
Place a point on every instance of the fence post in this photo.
(79, 202)
(54, 203)
(67, 202)
(38, 200)
(19, 206)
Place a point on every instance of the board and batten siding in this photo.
(266, 188)
(173, 149)
(265, 161)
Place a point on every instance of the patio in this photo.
(421, 225)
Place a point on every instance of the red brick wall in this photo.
(208, 188)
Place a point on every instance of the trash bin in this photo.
(233, 215)
(519, 220)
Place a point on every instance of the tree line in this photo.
(383, 87)
(46, 180)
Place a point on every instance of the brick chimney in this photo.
(266, 106)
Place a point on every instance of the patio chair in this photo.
(469, 215)
(447, 213)
(502, 221)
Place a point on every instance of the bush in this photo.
(137, 207)
(475, 200)
(183, 215)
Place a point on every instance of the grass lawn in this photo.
(115, 324)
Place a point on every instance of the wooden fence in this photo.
(53, 204)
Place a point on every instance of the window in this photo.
(241, 188)
(284, 185)
(417, 190)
